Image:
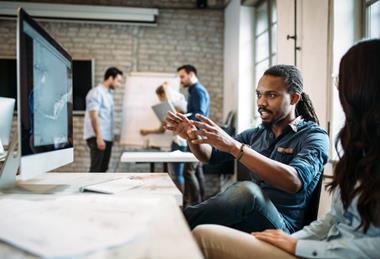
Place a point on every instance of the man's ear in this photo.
(294, 98)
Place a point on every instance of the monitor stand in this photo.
(11, 164)
(34, 188)
(9, 171)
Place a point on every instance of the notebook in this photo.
(112, 186)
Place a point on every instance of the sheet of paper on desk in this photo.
(74, 226)
(113, 186)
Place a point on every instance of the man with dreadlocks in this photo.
(285, 154)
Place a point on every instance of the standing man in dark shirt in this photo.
(285, 154)
(198, 103)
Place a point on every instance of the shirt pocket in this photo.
(284, 154)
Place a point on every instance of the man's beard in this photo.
(267, 124)
(272, 122)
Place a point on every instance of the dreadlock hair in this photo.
(357, 173)
(293, 79)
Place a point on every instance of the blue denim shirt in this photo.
(302, 145)
(198, 101)
(337, 234)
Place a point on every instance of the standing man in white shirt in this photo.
(99, 118)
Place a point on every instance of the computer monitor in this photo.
(6, 114)
(44, 102)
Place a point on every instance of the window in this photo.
(353, 20)
(372, 18)
(265, 38)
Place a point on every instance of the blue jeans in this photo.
(178, 167)
(242, 206)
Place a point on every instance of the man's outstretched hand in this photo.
(180, 125)
(209, 132)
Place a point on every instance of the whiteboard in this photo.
(139, 96)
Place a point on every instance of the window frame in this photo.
(360, 31)
(269, 57)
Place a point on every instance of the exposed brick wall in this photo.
(181, 36)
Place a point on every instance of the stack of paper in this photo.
(74, 226)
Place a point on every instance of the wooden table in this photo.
(168, 235)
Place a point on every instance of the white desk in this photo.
(168, 235)
(155, 184)
(154, 157)
(169, 157)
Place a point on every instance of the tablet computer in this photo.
(161, 110)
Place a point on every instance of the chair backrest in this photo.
(311, 212)
(228, 125)
(230, 119)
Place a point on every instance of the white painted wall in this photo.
(247, 85)
(238, 63)
(313, 58)
(231, 56)
(285, 25)
(312, 37)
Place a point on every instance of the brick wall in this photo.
(181, 36)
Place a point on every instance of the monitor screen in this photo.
(44, 99)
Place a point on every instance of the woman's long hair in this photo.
(357, 173)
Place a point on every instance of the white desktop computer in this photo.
(44, 101)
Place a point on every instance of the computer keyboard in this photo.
(112, 186)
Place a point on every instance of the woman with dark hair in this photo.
(351, 229)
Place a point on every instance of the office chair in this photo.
(229, 124)
(311, 212)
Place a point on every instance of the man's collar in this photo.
(107, 89)
(294, 123)
(192, 86)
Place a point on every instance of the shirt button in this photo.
(314, 253)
